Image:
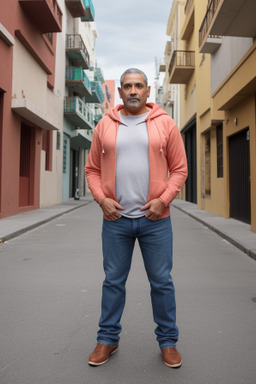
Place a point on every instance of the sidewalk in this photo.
(236, 232)
(13, 226)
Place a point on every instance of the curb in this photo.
(251, 253)
(41, 222)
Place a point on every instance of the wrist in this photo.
(162, 202)
(102, 200)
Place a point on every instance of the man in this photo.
(135, 168)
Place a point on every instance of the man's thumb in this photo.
(146, 206)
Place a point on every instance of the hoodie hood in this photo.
(156, 111)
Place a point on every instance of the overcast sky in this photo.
(131, 34)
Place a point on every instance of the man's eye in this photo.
(139, 85)
(126, 86)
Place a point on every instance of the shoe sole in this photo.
(173, 365)
(102, 362)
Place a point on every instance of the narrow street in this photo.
(50, 287)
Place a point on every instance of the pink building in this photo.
(109, 89)
(29, 107)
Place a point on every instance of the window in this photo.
(47, 147)
(65, 144)
(219, 136)
(49, 36)
(58, 138)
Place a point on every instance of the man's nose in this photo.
(133, 90)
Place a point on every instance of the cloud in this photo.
(130, 34)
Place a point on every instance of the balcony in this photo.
(98, 75)
(162, 67)
(78, 113)
(76, 7)
(97, 95)
(89, 11)
(33, 113)
(46, 14)
(188, 26)
(212, 44)
(81, 138)
(181, 67)
(228, 18)
(77, 81)
(76, 51)
(99, 113)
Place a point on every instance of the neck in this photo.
(126, 112)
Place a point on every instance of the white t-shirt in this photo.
(132, 165)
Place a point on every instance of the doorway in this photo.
(239, 176)
(26, 178)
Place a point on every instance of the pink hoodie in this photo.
(167, 157)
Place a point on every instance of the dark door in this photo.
(26, 186)
(239, 176)
(191, 183)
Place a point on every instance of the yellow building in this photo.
(215, 67)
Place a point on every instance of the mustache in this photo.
(133, 98)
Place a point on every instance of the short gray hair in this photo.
(133, 70)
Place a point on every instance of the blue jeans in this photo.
(155, 241)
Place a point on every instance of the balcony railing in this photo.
(99, 112)
(76, 50)
(76, 7)
(97, 95)
(98, 75)
(181, 66)
(89, 11)
(46, 14)
(78, 81)
(203, 31)
(78, 113)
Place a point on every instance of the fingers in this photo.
(146, 206)
(109, 208)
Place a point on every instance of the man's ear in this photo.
(149, 89)
(119, 91)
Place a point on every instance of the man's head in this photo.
(134, 91)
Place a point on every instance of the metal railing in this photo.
(89, 4)
(182, 59)
(75, 41)
(76, 105)
(77, 73)
(203, 31)
(98, 75)
(95, 86)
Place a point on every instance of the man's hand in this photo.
(155, 209)
(109, 208)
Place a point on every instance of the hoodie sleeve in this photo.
(93, 168)
(177, 164)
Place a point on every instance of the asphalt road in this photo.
(50, 287)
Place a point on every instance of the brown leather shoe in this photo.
(101, 354)
(171, 357)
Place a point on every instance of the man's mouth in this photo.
(133, 99)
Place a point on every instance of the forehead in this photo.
(130, 78)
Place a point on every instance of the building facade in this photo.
(83, 94)
(30, 105)
(50, 100)
(215, 67)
